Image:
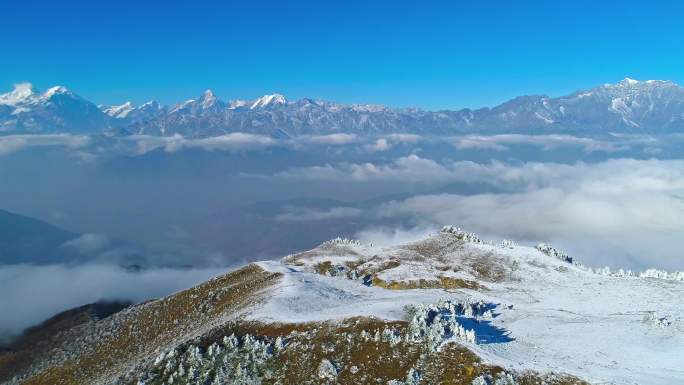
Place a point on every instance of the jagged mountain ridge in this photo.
(626, 106)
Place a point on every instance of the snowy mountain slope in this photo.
(55, 110)
(117, 112)
(447, 308)
(560, 316)
(626, 106)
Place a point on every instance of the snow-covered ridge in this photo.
(552, 313)
(648, 273)
(25, 94)
(118, 112)
(561, 255)
(407, 268)
(57, 110)
(529, 309)
(268, 100)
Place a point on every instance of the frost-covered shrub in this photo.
(327, 370)
(500, 379)
(654, 319)
(649, 273)
(661, 274)
(343, 241)
(553, 252)
(413, 377)
(233, 360)
(462, 235)
(437, 323)
(507, 244)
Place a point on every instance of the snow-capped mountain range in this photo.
(626, 106)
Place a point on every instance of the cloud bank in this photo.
(410, 168)
(619, 212)
(554, 141)
(88, 147)
(42, 291)
(303, 214)
(13, 143)
(228, 142)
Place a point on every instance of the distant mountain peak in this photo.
(150, 104)
(629, 81)
(633, 83)
(269, 100)
(24, 110)
(120, 111)
(56, 90)
(208, 94)
(209, 101)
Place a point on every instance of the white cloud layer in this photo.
(331, 139)
(141, 144)
(47, 290)
(386, 142)
(550, 142)
(13, 143)
(227, 142)
(633, 210)
(411, 168)
(302, 214)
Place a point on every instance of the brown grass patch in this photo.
(440, 283)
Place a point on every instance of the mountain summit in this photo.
(24, 110)
(629, 106)
(448, 309)
(269, 100)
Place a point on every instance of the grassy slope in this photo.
(98, 353)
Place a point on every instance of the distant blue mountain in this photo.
(28, 240)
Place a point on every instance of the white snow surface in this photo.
(268, 100)
(120, 111)
(560, 317)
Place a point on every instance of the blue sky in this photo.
(431, 54)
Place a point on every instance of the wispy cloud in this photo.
(386, 142)
(303, 214)
(13, 143)
(384, 236)
(87, 243)
(229, 142)
(411, 168)
(331, 139)
(550, 142)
